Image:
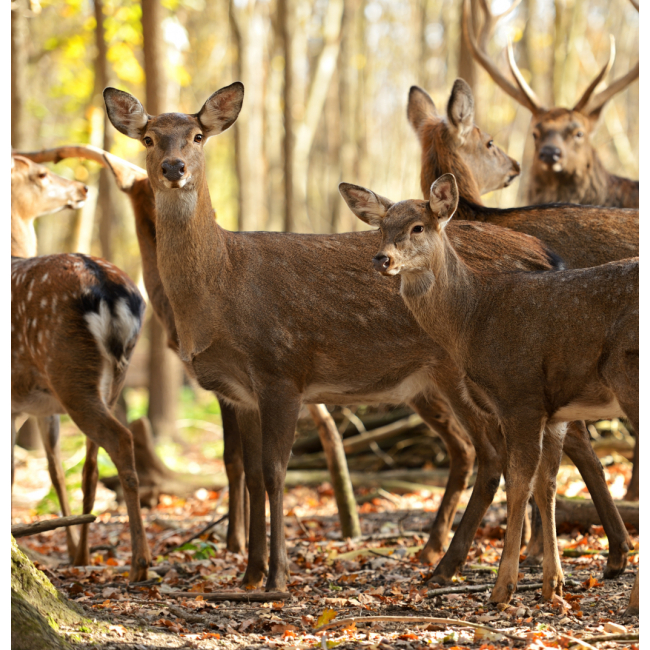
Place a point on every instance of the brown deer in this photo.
(583, 237)
(258, 337)
(36, 191)
(565, 166)
(133, 181)
(74, 322)
(536, 350)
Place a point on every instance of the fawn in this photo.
(74, 322)
(536, 350)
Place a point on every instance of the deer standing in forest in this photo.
(586, 237)
(258, 338)
(36, 191)
(133, 181)
(536, 350)
(75, 320)
(566, 167)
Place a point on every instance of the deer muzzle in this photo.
(550, 155)
(381, 262)
(173, 170)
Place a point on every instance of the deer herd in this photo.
(505, 329)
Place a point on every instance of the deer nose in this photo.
(549, 154)
(85, 190)
(381, 262)
(173, 170)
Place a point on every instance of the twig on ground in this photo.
(186, 616)
(388, 557)
(233, 596)
(608, 637)
(201, 532)
(23, 530)
(471, 589)
(302, 526)
(415, 619)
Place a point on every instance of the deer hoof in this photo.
(253, 578)
(429, 555)
(502, 593)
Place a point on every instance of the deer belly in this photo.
(585, 411)
(38, 402)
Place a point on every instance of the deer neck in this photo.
(443, 298)
(191, 255)
(23, 235)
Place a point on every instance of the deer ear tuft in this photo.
(125, 112)
(221, 109)
(365, 204)
(443, 199)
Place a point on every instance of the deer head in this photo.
(36, 191)
(561, 134)
(411, 230)
(452, 143)
(174, 141)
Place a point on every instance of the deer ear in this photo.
(366, 205)
(443, 198)
(221, 109)
(460, 109)
(420, 108)
(125, 112)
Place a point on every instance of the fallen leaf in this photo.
(326, 616)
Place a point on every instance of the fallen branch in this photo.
(475, 589)
(203, 530)
(577, 552)
(24, 530)
(186, 616)
(610, 637)
(415, 619)
(234, 597)
(583, 512)
(363, 440)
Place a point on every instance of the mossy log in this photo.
(37, 608)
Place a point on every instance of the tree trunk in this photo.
(338, 469)
(18, 74)
(105, 199)
(37, 608)
(285, 23)
(165, 371)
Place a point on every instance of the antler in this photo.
(126, 173)
(584, 100)
(522, 93)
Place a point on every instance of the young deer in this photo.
(583, 237)
(36, 191)
(74, 322)
(536, 350)
(133, 181)
(269, 341)
(566, 166)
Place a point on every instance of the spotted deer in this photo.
(74, 322)
(582, 236)
(133, 181)
(36, 191)
(535, 350)
(269, 341)
(566, 167)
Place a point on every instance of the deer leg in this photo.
(234, 461)
(544, 490)
(278, 415)
(487, 482)
(89, 478)
(578, 448)
(104, 430)
(251, 440)
(632, 493)
(437, 414)
(523, 439)
(535, 546)
(633, 605)
(49, 430)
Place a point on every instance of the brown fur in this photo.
(565, 343)
(60, 364)
(250, 310)
(581, 236)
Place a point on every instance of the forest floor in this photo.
(331, 579)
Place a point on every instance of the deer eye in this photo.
(42, 174)
(535, 136)
(417, 229)
(147, 141)
(198, 137)
(579, 134)
(490, 144)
